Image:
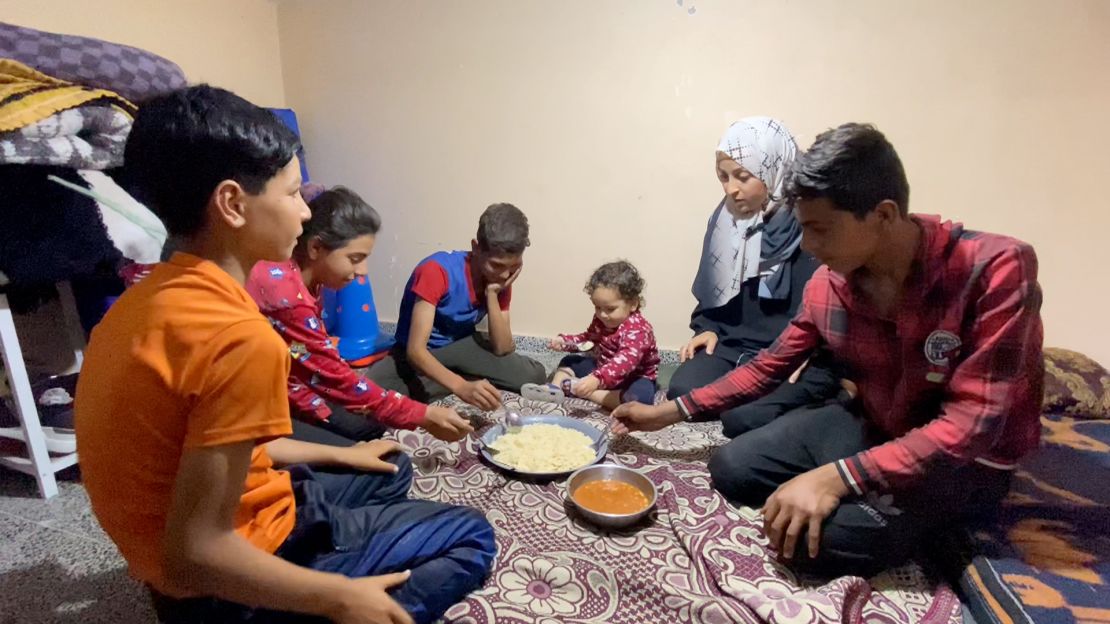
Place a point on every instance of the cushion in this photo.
(1075, 385)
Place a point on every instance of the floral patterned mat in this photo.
(696, 559)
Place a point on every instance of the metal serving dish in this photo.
(593, 433)
(612, 472)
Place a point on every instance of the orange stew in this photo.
(611, 497)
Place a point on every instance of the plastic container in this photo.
(351, 318)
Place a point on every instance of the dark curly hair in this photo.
(622, 277)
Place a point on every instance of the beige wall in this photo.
(600, 118)
(230, 43)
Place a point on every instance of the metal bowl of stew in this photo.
(610, 495)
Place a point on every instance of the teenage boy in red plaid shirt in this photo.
(939, 330)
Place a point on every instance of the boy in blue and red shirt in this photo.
(439, 351)
(939, 331)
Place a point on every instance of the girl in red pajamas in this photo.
(330, 402)
(616, 359)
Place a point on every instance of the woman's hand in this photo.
(706, 340)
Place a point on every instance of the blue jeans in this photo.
(640, 390)
(363, 524)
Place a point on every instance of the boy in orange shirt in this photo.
(182, 411)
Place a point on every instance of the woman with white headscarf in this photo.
(751, 275)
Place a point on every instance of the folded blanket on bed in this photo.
(86, 137)
(133, 73)
(28, 96)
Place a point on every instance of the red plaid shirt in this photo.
(955, 374)
(318, 372)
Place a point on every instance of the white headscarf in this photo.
(735, 251)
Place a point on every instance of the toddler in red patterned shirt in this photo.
(616, 359)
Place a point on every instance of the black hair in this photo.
(503, 229)
(854, 167)
(186, 142)
(622, 277)
(339, 216)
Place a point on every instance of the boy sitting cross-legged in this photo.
(439, 350)
(182, 411)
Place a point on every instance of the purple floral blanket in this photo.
(697, 559)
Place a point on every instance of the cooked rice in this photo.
(544, 448)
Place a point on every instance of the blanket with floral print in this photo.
(696, 559)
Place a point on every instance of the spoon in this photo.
(513, 421)
(602, 439)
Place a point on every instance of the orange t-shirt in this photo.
(183, 360)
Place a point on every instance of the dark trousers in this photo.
(470, 358)
(342, 428)
(363, 524)
(815, 386)
(639, 390)
(864, 535)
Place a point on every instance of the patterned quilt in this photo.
(697, 559)
(86, 137)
